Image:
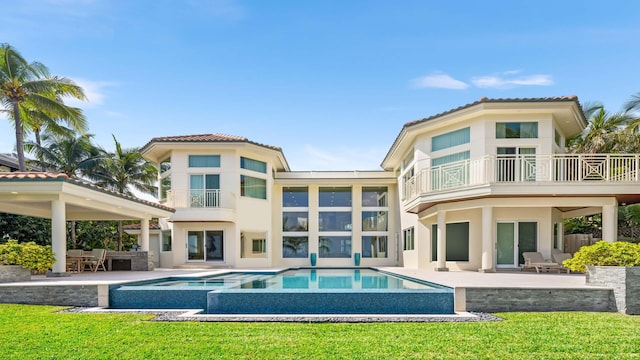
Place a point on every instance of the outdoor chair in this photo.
(74, 260)
(534, 260)
(97, 260)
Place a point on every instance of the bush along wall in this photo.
(29, 255)
(613, 265)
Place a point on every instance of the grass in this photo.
(39, 332)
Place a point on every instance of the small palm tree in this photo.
(28, 86)
(74, 155)
(124, 171)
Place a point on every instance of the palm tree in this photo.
(633, 103)
(599, 135)
(74, 155)
(30, 84)
(124, 171)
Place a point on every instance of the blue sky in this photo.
(332, 81)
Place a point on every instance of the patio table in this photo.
(79, 259)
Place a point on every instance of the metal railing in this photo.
(195, 198)
(524, 168)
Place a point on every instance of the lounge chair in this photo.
(97, 260)
(534, 260)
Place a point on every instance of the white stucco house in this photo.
(470, 189)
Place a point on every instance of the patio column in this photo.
(610, 223)
(487, 240)
(144, 234)
(441, 238)
(59, 238)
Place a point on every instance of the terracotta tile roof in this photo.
(221, 138)
(483, 100)
(51, 176)
(153, 225)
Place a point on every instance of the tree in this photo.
(599, 135)
(633, 103)
(73, 155)
(124, 171)
(29, 86)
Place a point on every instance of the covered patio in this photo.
(60, 198)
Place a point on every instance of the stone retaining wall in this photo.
(14, 273)
(68, 295)
(625, 282)
(517, 299)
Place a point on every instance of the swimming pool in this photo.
(293, 291)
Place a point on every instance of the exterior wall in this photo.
(522, 299)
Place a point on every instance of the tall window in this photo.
(450, 139)
(295, 222)
(253, 165)
(375, 219)
(457, 242)
(166, 240)
(206, 161)
(253, 187)
(407, 235)
(517, 130)
(334, 222)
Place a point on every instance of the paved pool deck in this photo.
(474, 291)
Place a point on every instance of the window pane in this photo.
(204, 160)
(295, 197)
(295, 247)
(517, 130)
(374, 196)
(450, 158)
(295, 221)
(254, 165)
(334, 221)
(408, 238)
(165, 185)
(450, 139)
(374, 221)
(253, 187)
(457, 242)
(374, 246)
(335, 246)
(166, 240)
(527, 238)
(529, 130)
(335, 196)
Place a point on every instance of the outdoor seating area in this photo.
(80, 260)
(535, 260)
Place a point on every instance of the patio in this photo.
(474, 291)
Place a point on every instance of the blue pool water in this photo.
(293, 291)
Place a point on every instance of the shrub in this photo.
(603, 253)
(29, 255)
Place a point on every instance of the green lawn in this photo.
(38, 332)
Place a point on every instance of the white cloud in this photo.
(507, 80)
(93, 90)
(439, 80)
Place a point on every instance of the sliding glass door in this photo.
(514, 238)
(205, 245)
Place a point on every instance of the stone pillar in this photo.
(610, 223)
(487, 240)
(59, 237)
(441, 238)
(144, 234)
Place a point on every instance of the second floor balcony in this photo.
(201, 205)
(557, 174)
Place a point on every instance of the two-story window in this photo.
(204, 188)
(251, 185)
(295, 222)
(516, 162)
(408, 237)
(334, 222)
(375, 218)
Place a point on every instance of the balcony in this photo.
(201, 205)
(180, 198)
(555, 174)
